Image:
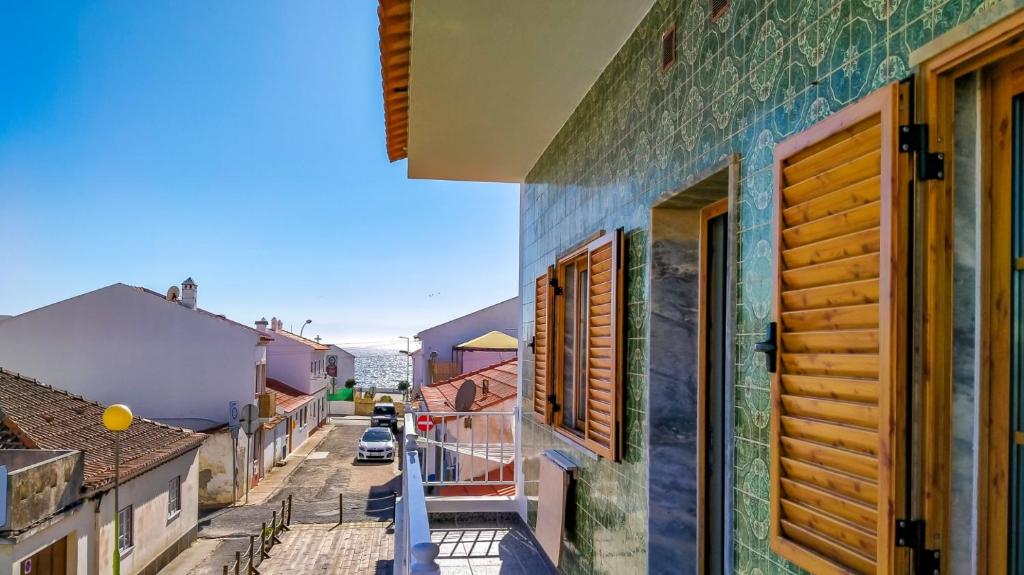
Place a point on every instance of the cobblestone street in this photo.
(363, 544)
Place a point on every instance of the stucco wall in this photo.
(120, 345)
(288, 361)
(764, 71)
(77, 524)
(503, 317)
(215, 469)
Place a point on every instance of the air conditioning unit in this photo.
(268, 404)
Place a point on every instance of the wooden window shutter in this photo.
(604, 345)
(840, 309)
(542, 346)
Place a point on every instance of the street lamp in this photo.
(308, 321)
(117, 418)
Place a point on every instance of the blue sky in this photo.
(143, 142)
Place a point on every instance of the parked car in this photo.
(384, 415)
(376, 444)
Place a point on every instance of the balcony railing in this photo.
(414, 551)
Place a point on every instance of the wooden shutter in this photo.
(839, 308)
(542, 346)
(604, 342)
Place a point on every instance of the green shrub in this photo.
(385, 399)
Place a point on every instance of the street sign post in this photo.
(424, 423)
(249, 422)
(233, 420)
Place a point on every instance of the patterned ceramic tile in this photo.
(765, 71)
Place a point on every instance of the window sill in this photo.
(574, 440)
(173, 516)
(122, 553)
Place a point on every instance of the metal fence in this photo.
(247, 561)
(463, 449)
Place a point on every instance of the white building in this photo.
(163, 356)
(346, 365)
(297, 366)
(438, 343)
(60, 517)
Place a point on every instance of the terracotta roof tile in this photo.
(501, 385)
(42, 417)
(288, 398)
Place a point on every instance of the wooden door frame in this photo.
(707, 213)
(935, 101)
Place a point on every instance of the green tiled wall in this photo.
(764, 71)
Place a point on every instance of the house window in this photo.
(125, 529)
(577, 370)
(174, 496)
(572, 309)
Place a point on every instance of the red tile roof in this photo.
(46, 418)
(302, 340)
(501, 385)
(288, 398)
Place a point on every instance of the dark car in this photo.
(384, 415)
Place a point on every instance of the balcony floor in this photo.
(488, 547)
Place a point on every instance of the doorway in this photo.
(52, 560)
(713, 365)
(692, 285)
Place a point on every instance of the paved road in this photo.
(329, 470)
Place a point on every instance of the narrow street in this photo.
(362, 544)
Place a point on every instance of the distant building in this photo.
(438, 359)
(60, 474)
(161, 355)
(495, 393)
(346, 363)
(297, 376)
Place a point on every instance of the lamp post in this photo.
(117, 418)
(408, 359)
(303, 328)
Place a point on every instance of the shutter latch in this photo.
(914, 138)
(910, 533)
(533, 344)
(769, 346)
(554, 283)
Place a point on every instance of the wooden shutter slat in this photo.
(833, 458)
(835, 318)
(604, 334)
(837, 271)
(855, 244)
(828, 501)
(840, 411)
(838, 304)
(828, 548)
(848, 222)
(542, 347)
(843, 485)
(845, 436)
(837, 178)
(848, 293)
(831, 387)
(832, 527)
(852, 196)
(852, 341)
(834, 364)
(828, 154)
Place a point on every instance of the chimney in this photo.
(189, 289)
(487, 387)
(261, 325)
(273, 324)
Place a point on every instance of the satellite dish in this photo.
(173, 294)
(464, 398)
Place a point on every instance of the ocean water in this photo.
(381, 368)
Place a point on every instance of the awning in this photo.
(492, 341)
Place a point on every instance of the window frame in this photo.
(129, 525)
(580, 260)
(174, 497)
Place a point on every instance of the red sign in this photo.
(424, 423)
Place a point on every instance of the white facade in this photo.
(166, 361)
(89, 527)
(297, 362)
(346, 365)
(441, 339)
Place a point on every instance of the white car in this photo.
(377, 443)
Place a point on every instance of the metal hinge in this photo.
(553, 282)
(769, 346)
(914, 138)
(911, 533)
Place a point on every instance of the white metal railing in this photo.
(414, 550)
(466, 448)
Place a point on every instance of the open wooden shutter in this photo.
(604, 342)
(542, 346)
(839, 309)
